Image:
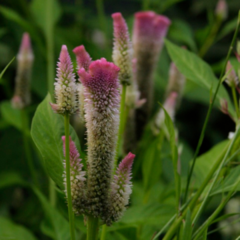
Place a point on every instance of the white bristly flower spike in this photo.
(65, 85)
(121, 189)
(77, 178)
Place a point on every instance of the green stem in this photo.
(27, 149)
(101, 17)
(235, 100)
(50, 48)
(104, 231)
(200, 230)
(92, 228)
(211, 37)
(52, 192)
(121, 124)
(69, 197)
(145, 5)
(209, 111)
(216, 176)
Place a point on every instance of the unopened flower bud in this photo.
(122, 49)
(221, 9)
(170, 106)
(148, 34)
(65, 85)
(231, 76)
(83, 60)
(101, 91)
(25, 59)
(77, 178)
(120, 189)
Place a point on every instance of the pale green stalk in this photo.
(92, 228)
(104, 231)
(52, 192)
(200, 230)
(67, 158)
(27, 149)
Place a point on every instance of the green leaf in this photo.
(47, 130)
(187, 230)
(205, 161)
(4, 70)
(181, 32)
(227, 28)
(11, 115)
(11, 178)
(198, 71)
(151, 165)
(41, 13)
(56, 226)
(10, 230)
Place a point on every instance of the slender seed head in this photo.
(25, 59)
(148, 34)
(120, 189)
(65, 85)
(232, 79)
(122, 49)
(101, 91)
(77, 178)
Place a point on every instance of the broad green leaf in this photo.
(198, 71)
(187, 230)
(43, 15)
(181, 32)
(151, 165)
(56, 225)
(47, 130)
(205, 161)
(12, 231)
(11, 115)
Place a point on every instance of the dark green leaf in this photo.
(47, 130)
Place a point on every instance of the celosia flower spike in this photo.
(148, 34)
(101, 91)
(121, 189)
(25, 58)
(221, 9)
(82, 56)
(65, 86)
(77, 178)
(122, 49)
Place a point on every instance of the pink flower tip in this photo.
(83, 58)
(64, 54)
(117, 16)
(127, 162)
(26, 43)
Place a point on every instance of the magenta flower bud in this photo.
(83, 58)
(101, 91)
(77, 178)
(221, 9)
(25, 59)
(148, 34)
(120, 189)
(122, 49)
(231, 76)
(65, 85)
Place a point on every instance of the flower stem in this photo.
(104, 231)
(27, 149)
(69, 197)
(121, 124)
(92, 228)
(235, 101)
(209, 111)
